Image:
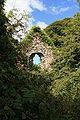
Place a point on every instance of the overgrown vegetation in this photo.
(66, 68)
(17, 24)
(44, 37)
(37, 95)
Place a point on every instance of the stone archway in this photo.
(32, 56)
(42, 49)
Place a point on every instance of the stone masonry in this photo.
(42, 49)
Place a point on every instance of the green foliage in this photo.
(5, 45)
(43, 36)
(23, 94)
(17, 24)
(36, 94)
(59, 31)
(66, 69)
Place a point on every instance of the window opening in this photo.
(36, 60)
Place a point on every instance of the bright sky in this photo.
(44, 12)
(36, 59)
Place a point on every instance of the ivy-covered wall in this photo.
(37, 42)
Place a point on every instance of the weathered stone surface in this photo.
(42, 49)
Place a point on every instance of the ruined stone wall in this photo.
(42, 49)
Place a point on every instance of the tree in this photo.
(5, 45)
(18, 23)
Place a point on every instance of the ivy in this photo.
(43, 36)
(36, 94)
